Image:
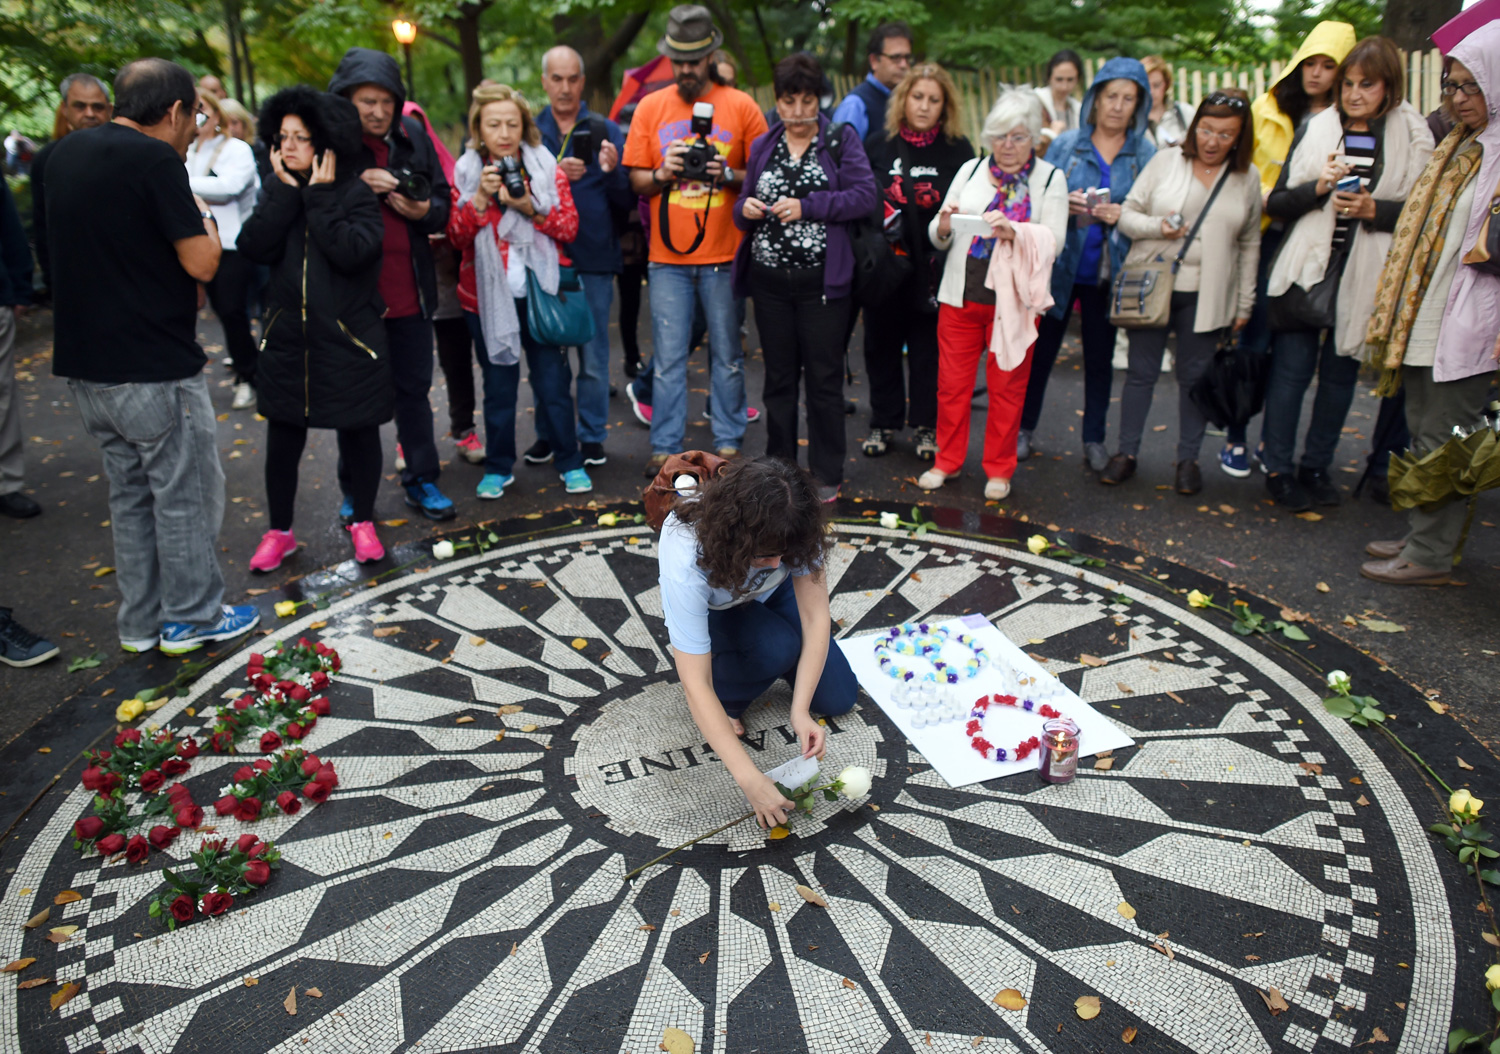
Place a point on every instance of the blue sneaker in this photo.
(346, 511)
(492, 486)
(430, 500)
(179, 638)
(576, 482)
(1234, 461)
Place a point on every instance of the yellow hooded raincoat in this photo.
(1273, 129)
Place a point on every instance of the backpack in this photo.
(878, 271)
(661, 493)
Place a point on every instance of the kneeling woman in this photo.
(746, 603)
(323, 361)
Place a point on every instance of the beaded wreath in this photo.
(987, 749)
(926, 640)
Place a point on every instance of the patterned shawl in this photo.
(1012, 198)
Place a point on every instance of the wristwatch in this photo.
(208, 216)
(728, 174)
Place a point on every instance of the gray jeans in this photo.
(1194, 355)
(166, 498)
(12, 464)
(1432, 409)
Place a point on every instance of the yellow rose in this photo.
(1492, 977)
(286, 608)
(129, 710)
(1463, 803)
(609, 519)
(1037, 544)
(1199, 600)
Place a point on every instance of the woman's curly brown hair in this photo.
(756, 508)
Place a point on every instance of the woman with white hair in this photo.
(1024, 202)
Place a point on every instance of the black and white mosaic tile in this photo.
(462, 891)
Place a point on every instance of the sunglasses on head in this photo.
(1233, 102)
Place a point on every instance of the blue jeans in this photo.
(674, 290)
(754, 644)
(166, 498)
(593, 361)
(551, 383)
(1295, 357)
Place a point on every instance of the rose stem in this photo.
(689, 842)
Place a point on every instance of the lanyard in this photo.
(564, 148)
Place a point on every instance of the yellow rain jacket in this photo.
(1273, 129)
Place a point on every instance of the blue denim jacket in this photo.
(1074, 154)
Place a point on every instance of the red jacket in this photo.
(465, 223)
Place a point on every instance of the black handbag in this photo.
(1484, 255)
(1301, 309)
(878, 270)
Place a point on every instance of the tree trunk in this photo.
(724, 19)
(232, 33)
(249, 69)
(1410, 22)
(585, 35)
(851, 46)
(469, 49)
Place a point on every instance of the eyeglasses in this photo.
(200, 118)
(1223, 137)
(897, 57)
(286, 139)
(1452, 88)
(1233, 102)
(1014, 139)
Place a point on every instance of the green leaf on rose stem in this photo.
(916, 514)
(1291, 632)
(1244, 629)
(155, 909)
(921, 529)
(172, 880)
(1459, 1038)
(1452, 843)
(1371, 714)
(1359, 722)
(85, 662)
(494, 537)
(1475, 832)
(1340, 706)
(1495, 1002)
(145, 695)
(1486, 852)
(784, 792)
(1442, 830)
(1466, 854)
(828, 795)
(1491, 876)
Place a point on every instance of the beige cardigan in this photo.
(1229, 238)
(972, 191)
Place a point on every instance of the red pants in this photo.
(963, 335)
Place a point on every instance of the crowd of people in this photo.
(1323, 225)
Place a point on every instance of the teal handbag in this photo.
(562, 319)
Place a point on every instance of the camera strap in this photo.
(701, 222)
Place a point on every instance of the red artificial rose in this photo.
(228, 720)
(334, 662)
(298, 694)
(221, 742)
(177, 791)
(303, 642)
(262, 765)
(217, 903)
(309, 720)
(88, 828)
(327, 776)
(244, 702)
(182, 908)
(288, 803)
(129, 735)
(269, 742)
(262, 681)
(214, 845)
(319, 680)
(285, 686)
(162, 737)
(320, 648)
(188, 748)
(320, 706)
(316, 792)
(94, 778)
(190, 816)
(152, 781)
(137, 850)
(257, 872)
(256, 659)
(226, 805)
(294, 731)
(244, 774)
(311, 765)
(110, 844)
(102, 756)
(248, 809)
(162, 836)
(174, 767)
(245, 842)
(111, 781)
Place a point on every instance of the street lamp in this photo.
(406, 33)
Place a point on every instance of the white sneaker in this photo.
(932, 479)
(997, 488)
(244, 396)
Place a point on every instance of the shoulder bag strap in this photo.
(1177, 261)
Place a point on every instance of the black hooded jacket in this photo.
(323, 360)
(409, 148)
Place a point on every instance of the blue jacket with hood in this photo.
(1074, 154)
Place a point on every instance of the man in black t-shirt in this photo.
(129, 243)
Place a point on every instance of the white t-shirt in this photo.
(686, 596)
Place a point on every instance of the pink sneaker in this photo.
(470, 449)
(751, 415)
(274, 547)
(367, 547)
(400, 459)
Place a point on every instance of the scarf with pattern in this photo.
(1012, 198)
(920, 139)
(1414, 252)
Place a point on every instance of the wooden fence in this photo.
(978, 89)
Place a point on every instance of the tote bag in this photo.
(563, 319)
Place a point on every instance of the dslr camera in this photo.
(700, 153)
(409, 184)
(511, 175)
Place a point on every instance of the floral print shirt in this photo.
(801, 243)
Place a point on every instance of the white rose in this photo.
(442, 550)
(890, 520)
(856, 781)
(1339, 681)
(1037, 544)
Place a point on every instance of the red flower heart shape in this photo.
(247, 810)
(288, 803)
(110, 844)
(315, 791)
(162, 836)
(269, 742)
(183, 908)
(137, 850)
(88, 828)
(152, 781)
(190, 816)
(257, 872)
(217, 903)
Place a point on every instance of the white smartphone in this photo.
(966, 226)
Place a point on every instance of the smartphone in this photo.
(583, 143)
(966, 226)
(1094, 197)
(1175, 221)
(1350, 184)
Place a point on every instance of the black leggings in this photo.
(229, 293)
(359, 451)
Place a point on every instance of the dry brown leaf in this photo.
(675, 1041)
(1252, 958)
(1310, 767)
(478, 642)
(17, 966)
(1310, 517)
(1010, 999)
(509, 708)
(251, 982)
(1322, 587)
(1128, 1036)
(316, 993)
(1174, 697)
(1437, 707)
(393, 523)
(777, 833)
(1086, 1007)
(703, 958)
(67, 896)
(1125, 909)
(1092, 660)
(1377, 1036)
(674, 913)
(929, 1038)
(1104, 764)
(1463, 764)
(1361, 800)
(35, 982)
(812, 896)
(774, 906)
(1356, 781)
(528, 728)
(1165, 951)
(37, 919)
(849, 984)
(915, 577)
(977, 1040)
(66, 992)
(513, 946)
(1273, 1001)
(465, 720)
(1489, 938)
(290, 1002)
(648, 927)
(387, 631)
(1124, 687)
(61, 934)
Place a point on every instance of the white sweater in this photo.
(972, 191)
(232, 187)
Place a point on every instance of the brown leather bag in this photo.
(661, 493)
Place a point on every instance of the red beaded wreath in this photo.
(987, 749)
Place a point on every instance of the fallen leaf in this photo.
(580, 643)
(1361, 800)
(290, 1002)
(1489, 938)
(1103, 764)
(1128, 1036)
(648, 927)
(674, 912)
(1092, 660)
(1356, 780)
(61, 934)
(1174, 697)
(1273, 1000)
(929, 1038)
(1377, 1036)
(478, 642)
(777, 833)
(387, 631)
(1290, 615)
(44, 750)
(35, 982)
(513, 947)
(1010, 999)
(104, 571)
(465, 720)
(1086, 1007)
(774, 906)
(1437, 707)
(1165, 951)
(67, 896)
(1310, 517)
(17, 966)
(1463, 764)
(1310, 767)
(1252, 958)
(675, 1041)
(1380, 625)
(703, 958)
(509, 708)
(393, 523)
(1322, 587)
(317, 625)
(849, 984)
(251, 982)
(1125, 909)
(256, 592)
(812, 896)
(1124, 687)
(977, 1040)
(66, 992)
(316, 993)
(528, 728)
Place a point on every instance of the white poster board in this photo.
(1010, 671)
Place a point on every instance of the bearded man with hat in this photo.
(693, 236)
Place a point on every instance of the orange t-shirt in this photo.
(662, 117)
